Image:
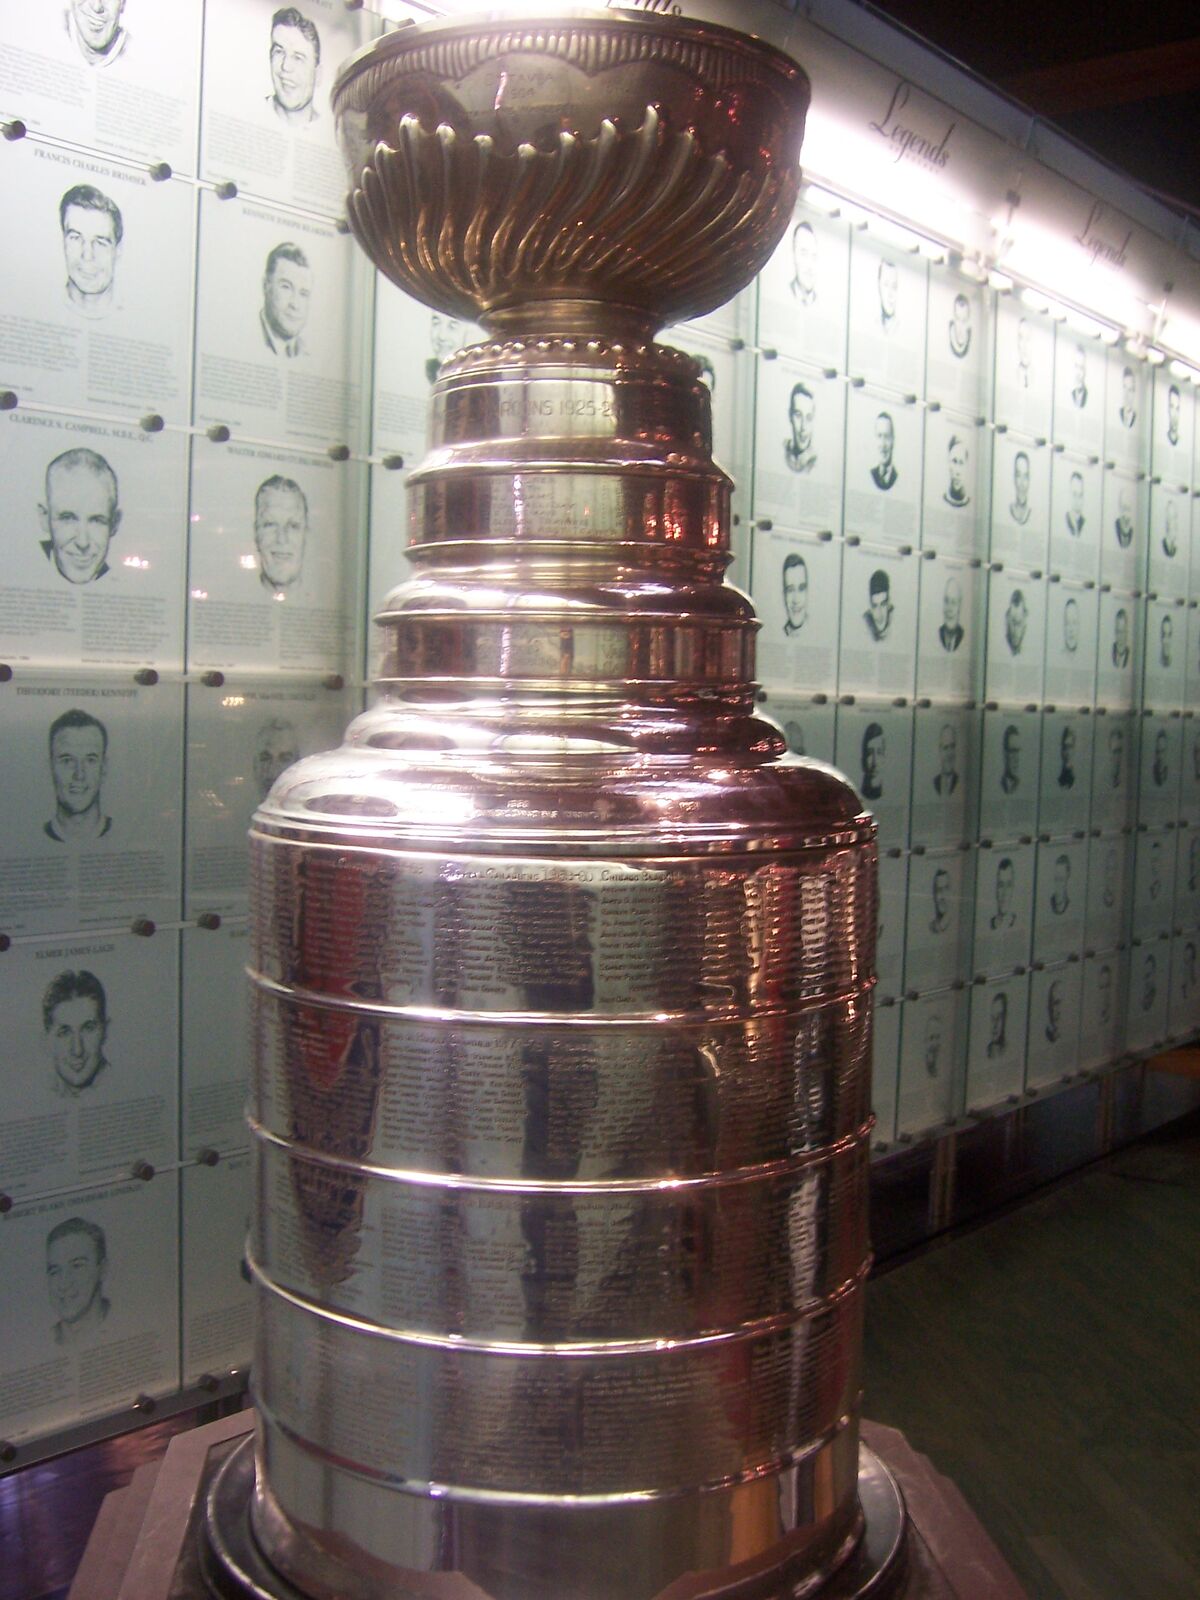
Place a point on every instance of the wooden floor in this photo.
(1048, 1362)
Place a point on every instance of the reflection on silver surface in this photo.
(561, 964)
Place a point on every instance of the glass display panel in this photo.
(1116, 649)
(1102, 1011)
(280, 325)
(1060, 899)
(1016, 629)
(796, 582)
(730, 374)
(95, 562)
(945, 774)
(1169, 554)
(1126, 424)
(802, 291)
(1024, 389)
(950, 627)
(1004, 883)
(90, 1026)
(274, 551)
(888, 290)
(217, 1305)
(1020, 499)
(1174, 425)
(874, 750)
(1165, 645)
(938, 936)
(958, 357)
(885, 1073)
(1149, 990)
(1113, 794)
(97, 299)
(266, 122)
(92, 1316)
(1080, 366)
(212, 1069)
(1159, 768)
(1123, 530)
(996, 1058)
(879, 620)
(1075, 516)
(1153, 883)
(954, 518)
(893, 903)
(807, 723)
(99, 76)
(1008, 801)
(91, 785)
(1109, 889)
(1183, 1008)
(799, 446)
(1063, 803)
(1054, 1012)
(932, 1055)
(883, 467)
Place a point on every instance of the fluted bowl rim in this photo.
(688, 133)
(399, 41)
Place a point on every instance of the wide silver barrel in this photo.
(561, 964)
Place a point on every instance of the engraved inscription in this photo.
(590, 1425)
(557, 937)
(564, 408)
(541, 1266)
(509, 1101)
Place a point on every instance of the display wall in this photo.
(964, 509)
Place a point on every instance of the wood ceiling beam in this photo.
(1123, 79)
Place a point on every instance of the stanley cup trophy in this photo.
(562, 966)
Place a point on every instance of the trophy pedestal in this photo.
(158, 1544)
(236, 1569)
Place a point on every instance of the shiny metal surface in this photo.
(622, 166)
(875, 1569)
(561, 964)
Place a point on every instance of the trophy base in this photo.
(235, 1568)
